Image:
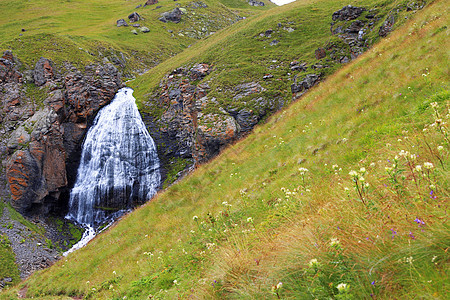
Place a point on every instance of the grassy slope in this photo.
(240, 54)
(355, 119)
(57, 29)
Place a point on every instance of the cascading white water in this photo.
(119, 165)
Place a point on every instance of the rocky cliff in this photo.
(185, 127)
(45, 114)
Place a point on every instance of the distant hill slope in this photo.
(85, 31)
(342, 195)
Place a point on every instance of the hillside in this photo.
(61, 62)
(342, 194)
(83, 32)
(215, 92)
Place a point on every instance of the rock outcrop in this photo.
(299, 88)
(256, 3)
(43, 136)
(347, 13)
(188, 124)
(171, 16)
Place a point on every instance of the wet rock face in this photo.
(42, 142)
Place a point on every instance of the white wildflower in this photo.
(362, 170)
(418, 168)
(342, 287)
(313, 262)
(353, 173)
(195, 218)
(334, 242)
(428, 165)
(303, 170)
(403, 153)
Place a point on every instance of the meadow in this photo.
(341, 195)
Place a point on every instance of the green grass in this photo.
(249, 219)
(8, 268)
(84, 32)
(14, 215)
(241, 55)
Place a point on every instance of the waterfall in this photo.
(119, 165)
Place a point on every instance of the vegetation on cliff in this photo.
(341, 195)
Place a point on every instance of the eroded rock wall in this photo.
(45, 114)
(187, 124)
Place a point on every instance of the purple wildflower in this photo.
(411, 235)
(419, 221)
(373, 282)
(394, 233)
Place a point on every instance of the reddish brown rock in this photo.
(43, 71)
(44, 147)
(24, 179)
(320, 53)
(150, 2)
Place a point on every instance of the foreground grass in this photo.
(291, 203)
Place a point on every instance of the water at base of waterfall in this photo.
(119, 167)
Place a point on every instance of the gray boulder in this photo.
(43, 71)
(171, 16)
(134, 17)
(308, 82)
(121, 22)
